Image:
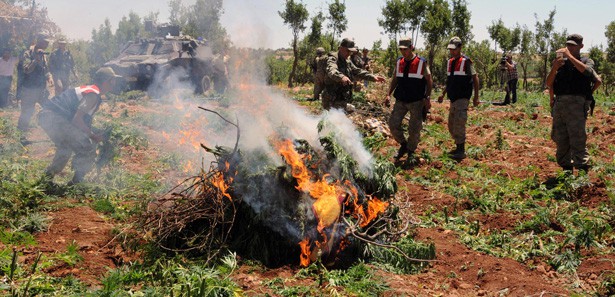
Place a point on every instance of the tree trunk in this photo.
(291, 77)
(524, 68)
(543, 78)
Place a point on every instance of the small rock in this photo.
(466, 286)
(455, 284)
(541, 269)
(552, 274)
(503, 292)
(481, 293)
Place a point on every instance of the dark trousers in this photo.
(5, 86)
(511, 88)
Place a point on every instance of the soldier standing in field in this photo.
(411, 86)
(61, 64)
(319, 66)
(340, 75)
(461, 80)
(34, 85)
(573, 81)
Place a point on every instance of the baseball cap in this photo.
(320, 50)
(62, 41)
(454, 43)
(349, 44)
(405, 43)
(105, 74)
(574, 39)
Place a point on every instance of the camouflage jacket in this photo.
(336, 70)
(35, 69)
(61, 63)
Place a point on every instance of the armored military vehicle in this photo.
(156, 64)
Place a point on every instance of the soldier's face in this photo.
(455, 52)
(344, 52)
(574, 49)
(406, 52)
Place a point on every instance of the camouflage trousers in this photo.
(319, 86)
(29, 98)
(67, 139)
(5, 86)
(330, 100)
(568, 130)
(457, 119)
(415, 124)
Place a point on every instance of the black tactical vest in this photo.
(411, 80)
(570, 81)
(459, 80)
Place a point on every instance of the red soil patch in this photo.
(90, 232)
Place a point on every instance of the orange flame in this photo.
(375, 207)
(327, 207)
(305, 252)
(218, 182)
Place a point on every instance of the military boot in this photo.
(403, 150)
(459, 153)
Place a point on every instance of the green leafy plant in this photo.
(71, 257)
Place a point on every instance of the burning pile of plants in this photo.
(320, 204)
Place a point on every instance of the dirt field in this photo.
(458, 271)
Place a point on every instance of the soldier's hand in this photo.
(427, 103)
(441, 98)
(387, 101)
(380, 78)
(346, 81)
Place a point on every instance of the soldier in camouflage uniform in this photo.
(61, 64)
(35, 78)
(340, 74)
(573, 81)
(67, 120)
(412, 84)
(319, 66)
(461, 80)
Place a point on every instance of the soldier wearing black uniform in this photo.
(573, 81)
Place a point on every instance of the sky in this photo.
(256, 23)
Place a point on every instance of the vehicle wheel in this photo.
(205, 84)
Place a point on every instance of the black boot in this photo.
(401, 152)
(568, 170)
(460, 152)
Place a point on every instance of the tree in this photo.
(315, 36)
(461, 20)
(177, 13)
(436, 25)
(496, 32)
(337, 19)
(416, 15)
(526, 52)
(394, 15)
(103, 46)
(542, 36)
(294, 15)
(608, 69)
(128, 28)
(203, 20)
(482, 57)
